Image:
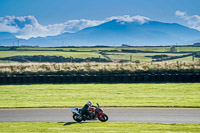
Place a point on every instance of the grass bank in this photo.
(97, 68)
(99, 127)
(69, 95)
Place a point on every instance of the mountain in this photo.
(7, 38)
(197, 44)
(116, 32)
(6, 35)
(151, 33)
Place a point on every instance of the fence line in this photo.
(135, 78)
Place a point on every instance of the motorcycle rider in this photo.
(85, 109)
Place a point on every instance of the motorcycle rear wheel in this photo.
(103, 118)
(77, 117)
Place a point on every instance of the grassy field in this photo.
(185, 59)
(70, 95)
(92, 52)
(141, 56)
(82, 55)
(183, 49)
(4, 48)
(99, 127)
(158, 49)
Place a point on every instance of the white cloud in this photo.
(76, 25)
(193, 21)
(7, 25)
(38, 30)
(180, 13)
(26, 27)
(129, 19)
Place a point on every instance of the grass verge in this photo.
(99, 127)
(70, 95)
(97, 68)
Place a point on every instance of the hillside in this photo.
(151, 33)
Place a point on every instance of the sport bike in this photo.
(94, 113)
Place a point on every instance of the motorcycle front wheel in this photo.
(77, 117)
(103, 118)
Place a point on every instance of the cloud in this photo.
(76, 25)
(26, 27)
(7, 24)
(129, 19)
(193, 21)
(180, 13)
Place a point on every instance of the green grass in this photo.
(157, 49)
(68, 95)
(142, 48)
(114, 56)
(4, 48)
(6, 61)
(183, 49)
(68, 49)
(99, 127)
(185, 59)
(50, 53)
(160, 49)
(140, 56)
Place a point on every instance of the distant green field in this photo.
(183, 49)
(142, 56)
(142, 48)
(93, 52)
(70, 95)
(146, 57)
(185, 59)
(6, 61)
(82, 55)
(70, 127)
(158, 49)
(4, 48)
(68, 49)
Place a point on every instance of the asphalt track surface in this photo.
(154, 115)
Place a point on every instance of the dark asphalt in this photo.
(154, 115)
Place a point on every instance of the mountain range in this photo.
(114, 32)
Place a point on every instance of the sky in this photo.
(52, 14)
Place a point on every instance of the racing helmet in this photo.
(89, 103)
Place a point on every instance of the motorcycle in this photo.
(94, 113)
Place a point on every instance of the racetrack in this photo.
(154, 115)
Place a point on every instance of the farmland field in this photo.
(157, 49)
(137, 60)
(133, 95)
(50, 53)
(183, 49)
(143, 54)
(71, 127)
(185, 59)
